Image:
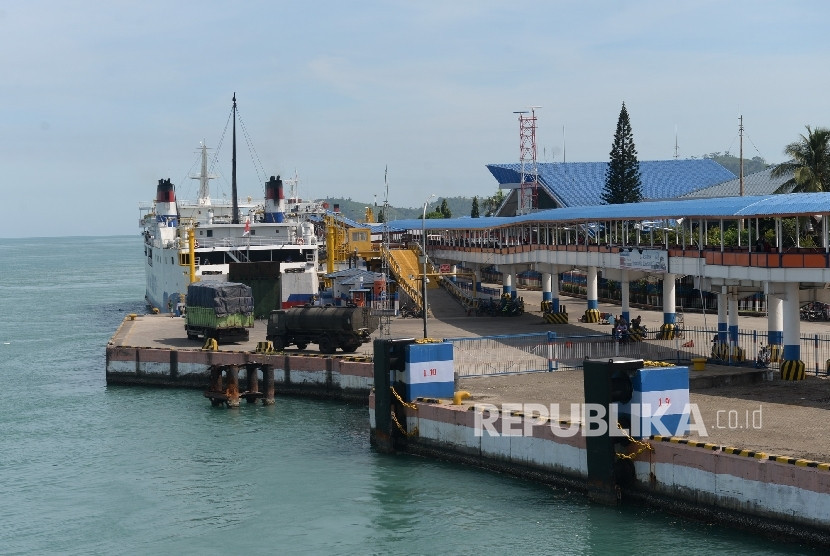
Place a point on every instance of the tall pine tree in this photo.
(445, 210)
(474, 211)
(622, 178)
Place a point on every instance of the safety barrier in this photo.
(522, 353)
(505, 354)
(265, 347)
(792, 370)
(555, 318)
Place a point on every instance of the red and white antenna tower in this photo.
(529, 177)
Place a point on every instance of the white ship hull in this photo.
(167, 266)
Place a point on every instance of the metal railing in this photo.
(523, 353)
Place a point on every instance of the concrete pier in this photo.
(762, 463)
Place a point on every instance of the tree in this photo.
(492, 204)
(809, 163)
(474, 211)
(622, 178)
(445, 210)
(733, 163)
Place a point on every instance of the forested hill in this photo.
(733, 163)
(459, 206)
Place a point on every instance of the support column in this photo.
(554, 288)
(268, 378)
(669, 315)
(626, 296)
(547, 304)
(592, 312)
(453, 277)
(720, 343)
(216, 385)
(723, 337)
(507, 279)
(792, 367)
(232, 390)
(546, 293)
(775, 327)
(252, 376)
(514, 281)
(732, 328)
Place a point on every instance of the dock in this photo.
(763, 460)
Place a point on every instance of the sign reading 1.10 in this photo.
(430, 372)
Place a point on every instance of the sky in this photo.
(100, 100)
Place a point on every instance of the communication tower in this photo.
(529, 171)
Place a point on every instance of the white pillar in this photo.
(732, 319)
(592, 295)
(792, 324)
(669, 299)
(723, 337)
(775, 321)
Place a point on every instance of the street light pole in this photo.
(424, 254)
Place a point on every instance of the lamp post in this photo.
(424, 254)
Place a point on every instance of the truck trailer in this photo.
(223, 311)
(328, 327)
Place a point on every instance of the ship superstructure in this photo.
(239, 241)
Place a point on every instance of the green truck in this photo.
(223, 311)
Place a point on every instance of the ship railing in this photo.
(235, 243)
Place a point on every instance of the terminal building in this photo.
(694, 230)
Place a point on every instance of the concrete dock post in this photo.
(232, 390)
(268, 378)
(216, 384)
(252, 376)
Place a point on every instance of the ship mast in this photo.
(235, 215)
(204, 179)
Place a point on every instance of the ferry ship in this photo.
(258, 243)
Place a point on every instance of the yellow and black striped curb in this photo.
(792, 370)
(635, 336)
(264, 347)
(666, 332)
(742, 452)
(556, 318)
(592, 315)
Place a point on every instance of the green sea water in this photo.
(91, 469)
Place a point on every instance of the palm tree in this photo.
(809, 163)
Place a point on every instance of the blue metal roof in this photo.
(758, 183)
(582, 183)
(761, 206)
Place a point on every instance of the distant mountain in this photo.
(733, 163)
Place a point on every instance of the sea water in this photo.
(91, 469)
